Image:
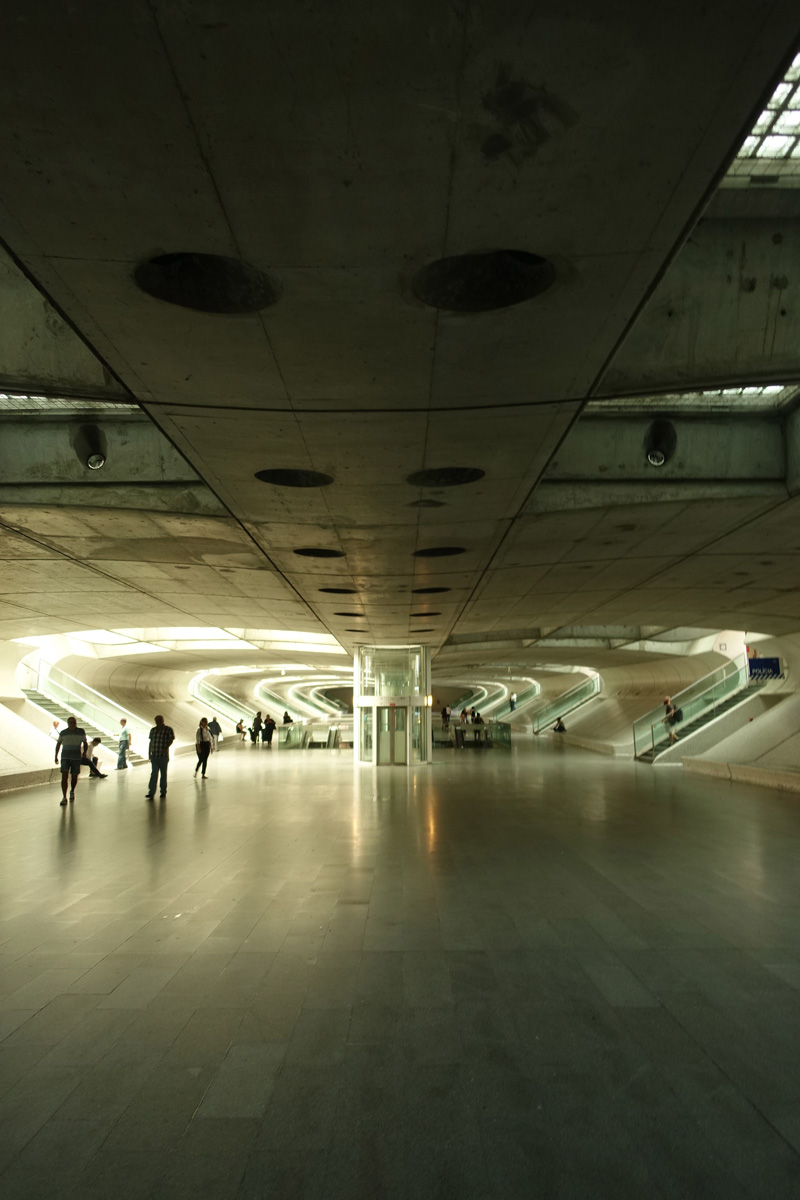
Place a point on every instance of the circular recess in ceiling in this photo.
(445, 476)
(355, 631)
(428, 591)
(427, 614)
(288, 477)
(319, 552)
(339, 591)
(208, 283)
(348, 614)
(422, 631)
(473, 283)
(439, 551)
(427, 504)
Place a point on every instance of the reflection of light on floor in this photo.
(431, 828)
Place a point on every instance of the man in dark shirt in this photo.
(72, 744)
(161, 738)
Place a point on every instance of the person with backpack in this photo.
(672, 717)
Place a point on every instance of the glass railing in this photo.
(702, 698)
(499, 734)
(334, 734)
(566, 702)
(220, 701)
(90, 706)
(525, 697)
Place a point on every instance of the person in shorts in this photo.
(72, 746)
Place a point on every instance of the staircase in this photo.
(57, 710)
(684, 730)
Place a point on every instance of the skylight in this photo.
(22, 402)
(731, 399)
(772, 148)
(101, 637)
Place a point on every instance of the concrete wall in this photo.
(766, 751)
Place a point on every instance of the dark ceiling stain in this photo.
(527, 116)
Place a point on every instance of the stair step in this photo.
(57, 710)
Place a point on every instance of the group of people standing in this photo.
(262, 729)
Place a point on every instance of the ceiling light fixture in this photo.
(660, 442)
(90, 445)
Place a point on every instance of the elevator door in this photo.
(392, 747)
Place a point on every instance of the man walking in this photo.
(161, 738)
(124, 745)
(215, 729)
(73, 746)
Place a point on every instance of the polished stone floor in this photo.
(536, 974)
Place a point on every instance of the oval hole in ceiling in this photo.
(209, 283)
(482, 282)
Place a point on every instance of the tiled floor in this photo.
(543, 974)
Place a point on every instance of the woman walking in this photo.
(204, 746)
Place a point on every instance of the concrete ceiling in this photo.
(338, 150)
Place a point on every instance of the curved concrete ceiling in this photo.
(338, 154)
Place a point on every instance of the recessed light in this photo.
(439, 551)
(426, 504)
(422, 631)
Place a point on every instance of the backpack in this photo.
(677, 716)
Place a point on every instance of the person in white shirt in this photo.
(123, 746)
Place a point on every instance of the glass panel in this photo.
(390, 670)
(88, 705)
(417, 735)
(384, 736)
(400, 754)
(547, 714)
(700, 699)
(366, 735)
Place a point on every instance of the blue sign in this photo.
(765, 668)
